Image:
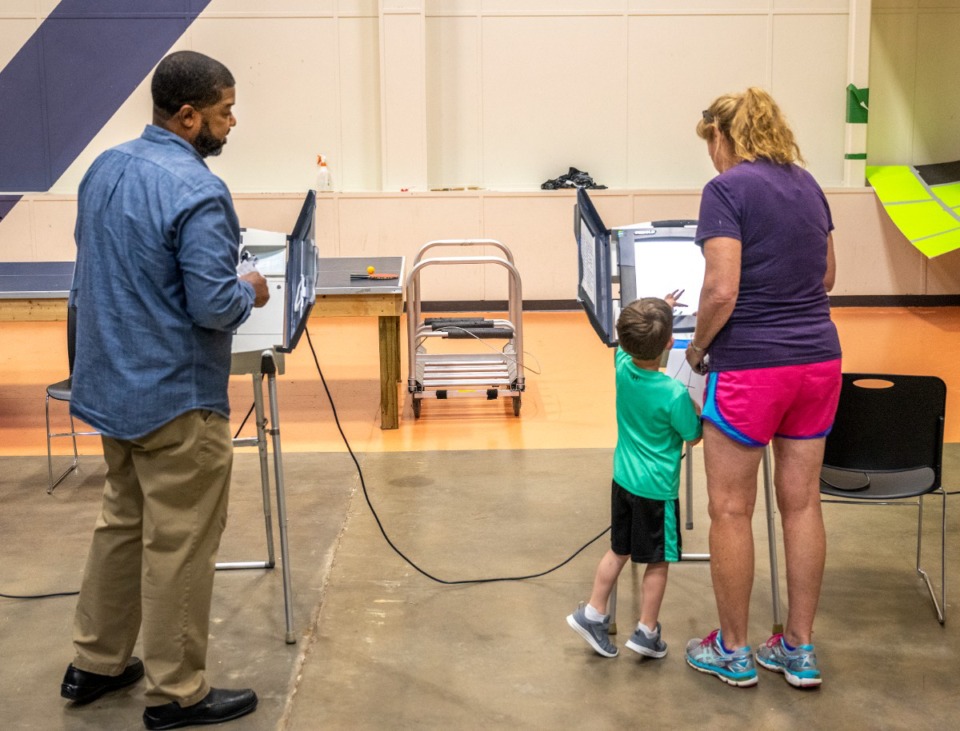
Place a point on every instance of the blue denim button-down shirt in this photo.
(155, 287)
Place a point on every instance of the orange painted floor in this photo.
(568, 403)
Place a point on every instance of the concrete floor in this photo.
(382, 647)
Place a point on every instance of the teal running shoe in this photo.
(734, 668)
(799, 666)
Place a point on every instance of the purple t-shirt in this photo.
(782, 219)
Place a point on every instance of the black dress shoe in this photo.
(82, 687)
(218, 705)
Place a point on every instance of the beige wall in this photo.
(500, 94)
(520, 90)
(914, 97)
(503, 94)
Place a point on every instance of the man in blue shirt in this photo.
(158, 298)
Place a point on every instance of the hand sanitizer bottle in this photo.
(324, 179)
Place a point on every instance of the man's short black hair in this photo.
(188, 77)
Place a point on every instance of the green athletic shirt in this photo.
(655, 416)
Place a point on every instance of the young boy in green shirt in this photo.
(655, 416)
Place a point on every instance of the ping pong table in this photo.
(34, 290)
(38, 291)
(340, 296)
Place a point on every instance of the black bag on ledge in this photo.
(573, 179)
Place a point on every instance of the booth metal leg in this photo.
(772, 539)
(281, 506)
(260, 441)
(612, 610)
(268, 367)
(688, 476)
(264, 467)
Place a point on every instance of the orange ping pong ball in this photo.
(371, 269)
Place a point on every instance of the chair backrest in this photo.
(71, 335)
(888, 423)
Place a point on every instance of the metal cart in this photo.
(484, 373)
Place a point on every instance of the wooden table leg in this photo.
(389, 327)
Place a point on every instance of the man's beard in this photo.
(206, 144)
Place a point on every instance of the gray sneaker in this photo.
(649, 646)
(597, 634)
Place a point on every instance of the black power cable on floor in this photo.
(373, 511)
(376, 517)
(383, 532)
(39, 596)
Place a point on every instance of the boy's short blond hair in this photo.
(645, 327)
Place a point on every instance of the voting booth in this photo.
(289, 264)
(650, 259)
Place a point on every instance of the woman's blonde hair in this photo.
(755, 125)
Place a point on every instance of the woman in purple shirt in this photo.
(764, 327)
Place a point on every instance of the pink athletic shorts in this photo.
(753, 406)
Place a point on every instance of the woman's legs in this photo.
(732, 489)
(796, 476)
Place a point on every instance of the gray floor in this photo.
(382, 647)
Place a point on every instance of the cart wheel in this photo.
(416, 408)
(516, 406)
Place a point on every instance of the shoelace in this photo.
(775, 640)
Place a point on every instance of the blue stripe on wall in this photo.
(7, 202)
(72, 75)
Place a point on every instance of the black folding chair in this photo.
(886, 448)
(61, 391)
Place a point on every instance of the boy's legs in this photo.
(656, 542)
(646, 639)
(608, 571)
(592, 621)
(654, 585)
(622, 520)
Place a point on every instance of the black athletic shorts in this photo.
(647, 530)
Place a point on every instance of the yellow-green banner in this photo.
(923, 201)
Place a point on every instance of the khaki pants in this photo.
(153, 556)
